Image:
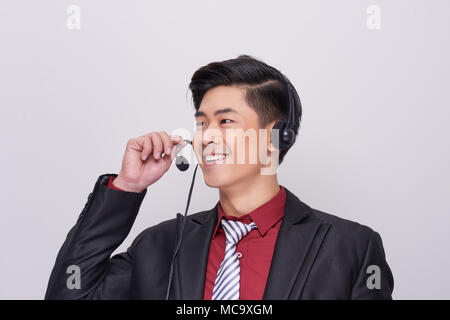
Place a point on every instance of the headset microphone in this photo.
(181, 162)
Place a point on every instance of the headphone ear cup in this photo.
(285, 138)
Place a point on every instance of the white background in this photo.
(373, 145)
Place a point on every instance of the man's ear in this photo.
(270, 146)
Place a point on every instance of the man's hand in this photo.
(143, 163)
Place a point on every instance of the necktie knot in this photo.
(236, 230)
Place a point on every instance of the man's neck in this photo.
(249, 194)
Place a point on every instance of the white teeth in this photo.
(215, 157)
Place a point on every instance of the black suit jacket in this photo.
(316, 256)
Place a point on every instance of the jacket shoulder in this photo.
(338, 227)
(341, 226)
(345, 237)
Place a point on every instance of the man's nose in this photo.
(212, 134)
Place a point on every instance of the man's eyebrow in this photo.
(217, 112)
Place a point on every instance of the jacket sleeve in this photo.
(84, 268)
(375, 280)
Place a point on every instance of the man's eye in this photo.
(200, 123)
(226, 120)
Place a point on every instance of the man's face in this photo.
(228, 142)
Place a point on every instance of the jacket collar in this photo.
(294, 211)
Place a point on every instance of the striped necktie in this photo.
(226, 286)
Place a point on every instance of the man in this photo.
(260, 241)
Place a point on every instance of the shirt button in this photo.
(239, 254)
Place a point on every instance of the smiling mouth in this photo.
(214, 158)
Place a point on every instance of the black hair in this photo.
(265, 88)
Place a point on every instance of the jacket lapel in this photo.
(297, 244)
(189, 282)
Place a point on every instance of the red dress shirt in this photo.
(256, 248)
(111, 185)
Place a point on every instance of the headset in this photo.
(284, 138)
(281, 141)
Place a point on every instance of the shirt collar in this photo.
(265, 216)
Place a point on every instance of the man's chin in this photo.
(215, 182)
(217, 179)
(223, 177)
